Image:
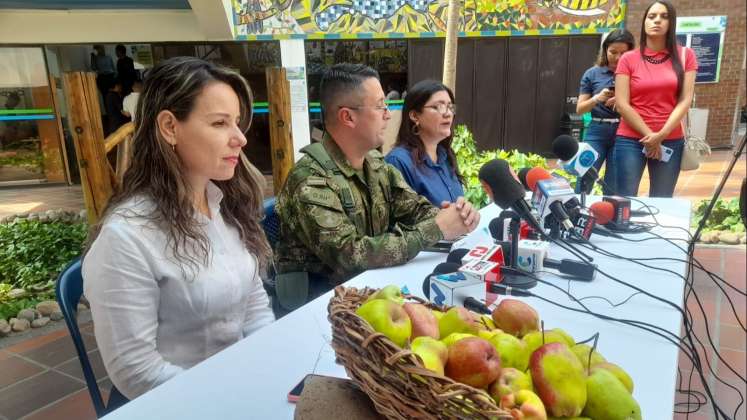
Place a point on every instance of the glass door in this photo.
(29, 133)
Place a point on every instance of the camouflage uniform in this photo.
(326, 231)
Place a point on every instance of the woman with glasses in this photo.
(423, 150)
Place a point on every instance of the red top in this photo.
(653, 89)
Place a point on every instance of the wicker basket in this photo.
(395, 378)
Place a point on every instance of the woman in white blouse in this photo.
(172, 269)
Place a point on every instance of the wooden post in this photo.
(49, 135)
(452, 41)
(281, 138)
(88, 136)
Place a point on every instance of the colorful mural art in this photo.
(349, 19)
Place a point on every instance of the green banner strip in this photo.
(26, 111)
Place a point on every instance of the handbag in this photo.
(695, 147)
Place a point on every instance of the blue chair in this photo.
(69, 289)
(271, 222)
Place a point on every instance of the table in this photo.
(251, 379)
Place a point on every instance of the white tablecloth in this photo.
(251, 379)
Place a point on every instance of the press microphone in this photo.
(535, 175)
(503, 188)
(499, 228)
(533, 257)
(523, 177)
(575, 158)
(613, 212)
(603, 211)
(552, 193)
(456, 256)
(442, 268)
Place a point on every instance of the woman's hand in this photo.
(652, 143)
(610, 103)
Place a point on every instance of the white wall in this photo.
(105, 26)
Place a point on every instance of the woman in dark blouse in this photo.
(597, 94)
(423, 150)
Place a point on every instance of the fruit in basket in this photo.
(536, 339)
(433, 352)
(474, 362)
(459, 320)
(454, 337)
(388, 318)
(488, 334)
(525, 405)
(619, 372)
(424, 323)
(608, 399)
(582, 351)
(488, 322)
(391, 292)
(511, 381)
(438, 314)
(512, 351)
(515, 317)
(559, 379)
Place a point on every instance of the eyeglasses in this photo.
(382, 108)
(441, 108)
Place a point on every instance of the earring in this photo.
(173, 148)
(416, 129)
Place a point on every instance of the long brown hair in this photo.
(671, 41)
(157, 174)
(618, 35)
(415, 100)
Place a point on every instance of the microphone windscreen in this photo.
(446, 268)
(506, 189)
(603, 211)
(565, 147)
(523, 177)
(496, 228)
(535, 175)
(456, 255)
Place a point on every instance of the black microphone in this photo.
(523, 177)
(506, 191)
(456, 256)
(442, 268)
(475, 305)
(578, 269)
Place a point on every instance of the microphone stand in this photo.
(515, 277)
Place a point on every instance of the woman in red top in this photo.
(654, 89)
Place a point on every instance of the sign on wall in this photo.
(365, 19)
(705, 35)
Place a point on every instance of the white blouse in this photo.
(151, 323)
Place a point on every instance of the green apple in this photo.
(457, 320)
(391, 292)
(454, 337)
(388, 318)
(433, 352)
(513, 351)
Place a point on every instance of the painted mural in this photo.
(418, 18)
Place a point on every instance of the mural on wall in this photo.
(351, 18)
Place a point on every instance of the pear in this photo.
(513, 351)
(608, 399)
(438, 314)
(511, 381)
(454, 337)
(559, 379)
(487, 335)
(424, 323)
(433, 352)
(619, 372)
(582, 351)
(457, 320)
(534, 339)
(388, 318)
(391, 292)
(488, 322)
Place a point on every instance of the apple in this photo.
(511, 381)
(457, 320)
(515, 317)
(525, 405)
(424, 323)
(433, 352)
(388, 318)
(391, 292)
(474, 362)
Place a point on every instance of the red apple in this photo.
(424, 323)
(515, 317)
(473, 361)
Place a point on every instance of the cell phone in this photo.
(295, 393)
(666, 153)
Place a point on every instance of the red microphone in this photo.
(535, 175)
(603, 211)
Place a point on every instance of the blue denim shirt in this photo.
(435, 181)
(592, 82)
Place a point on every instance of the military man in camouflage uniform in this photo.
(343, 210)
